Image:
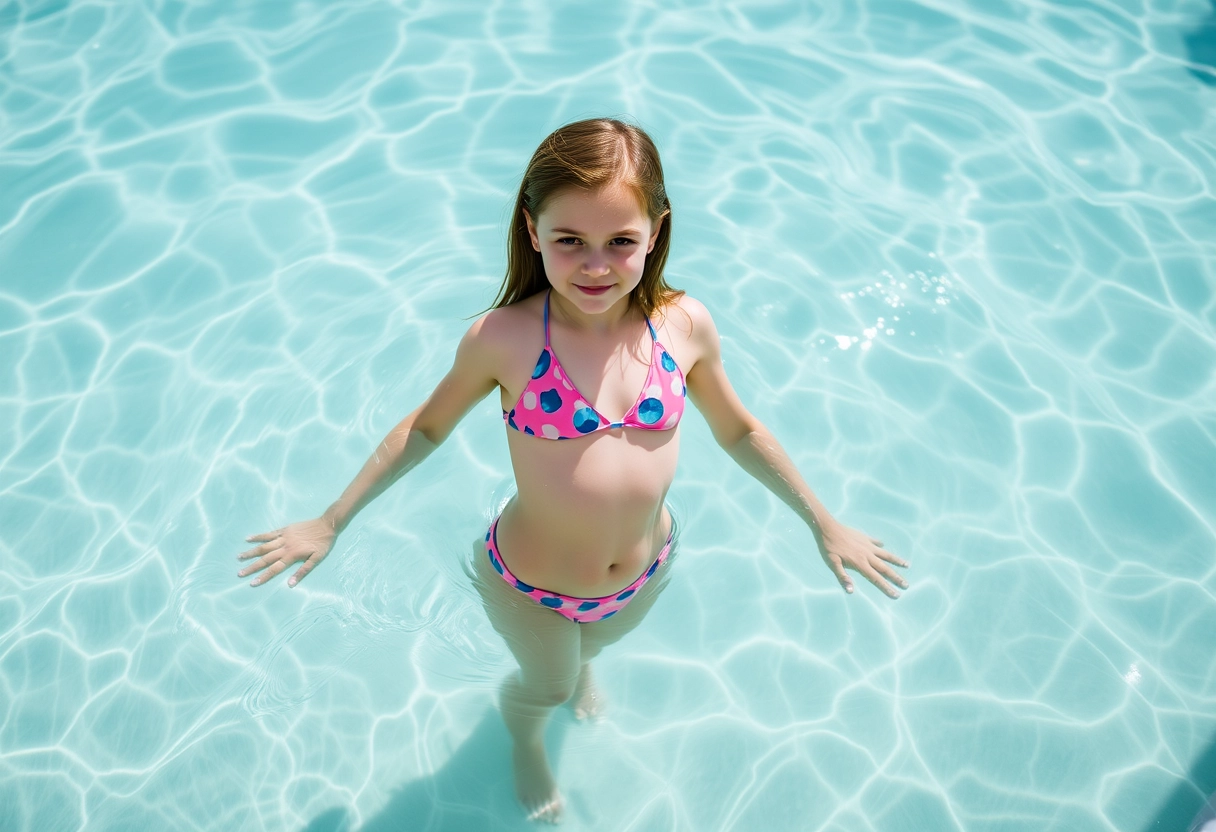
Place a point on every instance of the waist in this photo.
(580, 557)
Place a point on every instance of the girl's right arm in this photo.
(472, 377)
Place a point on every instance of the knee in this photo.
(550, 693)
(587, 652)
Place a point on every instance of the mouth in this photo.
(593, 290)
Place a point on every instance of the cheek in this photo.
(636, 259)
(555, 254)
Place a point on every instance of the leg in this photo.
(546, 645)
(596, 635)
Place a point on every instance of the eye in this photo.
(566, 241)
(624, 241)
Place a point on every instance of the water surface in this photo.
(960, 255)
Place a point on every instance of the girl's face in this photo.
(593, 244)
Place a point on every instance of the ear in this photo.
(532, 230)
(654, 235)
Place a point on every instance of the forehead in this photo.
(613, 206)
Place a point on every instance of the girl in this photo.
(585, 546)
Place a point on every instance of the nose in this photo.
(595, 265)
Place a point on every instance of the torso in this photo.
(588, 517)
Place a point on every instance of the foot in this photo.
(587, 701)
(534, 784)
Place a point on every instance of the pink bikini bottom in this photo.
(578, 610)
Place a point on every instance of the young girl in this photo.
(593, 355)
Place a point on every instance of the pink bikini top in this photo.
(551, 408)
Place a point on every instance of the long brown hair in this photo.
(590, 154)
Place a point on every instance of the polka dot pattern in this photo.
(578, 610)
(650, 411)
(586, 420)
(542, 364)
(551, 407)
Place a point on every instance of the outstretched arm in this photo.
(471, 378)
(757, 451)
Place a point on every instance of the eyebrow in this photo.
(622, 233)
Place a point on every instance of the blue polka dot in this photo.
(523, 587)
(511, 419)
(586, 420)
(497, 565)
(650, 411)
(550, 401)
(529, 431)
(588, 605)
(669, 363)
(542, 364)
(552, 603)
(608, 615)
(653, 567)
(487, 535)
(625, 594)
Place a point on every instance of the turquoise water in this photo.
(961, 256)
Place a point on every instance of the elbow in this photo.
(432, 435)
(730, 437)
(412, 429)
(728, 440)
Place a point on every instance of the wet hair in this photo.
(590, 154)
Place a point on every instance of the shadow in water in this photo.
(1201, 48)
(473, 790)
(1188, 806)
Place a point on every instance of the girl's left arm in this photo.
(757, 451)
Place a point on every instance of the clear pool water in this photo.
(961, 255)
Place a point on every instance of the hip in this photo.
(577, 608)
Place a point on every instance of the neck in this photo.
(621, 312)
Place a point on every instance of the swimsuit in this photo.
(578, 610)
(551, 408)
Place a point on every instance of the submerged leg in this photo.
(546, 645)
(588, 702)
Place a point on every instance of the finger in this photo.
(275, 568)
(877, 580)
(873, 540)
(256, 566)
(837, 567)
(890, 558)
(891, 575)
(264, 536)
(302, 571)
(257, 551)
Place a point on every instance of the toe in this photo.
(549, 812)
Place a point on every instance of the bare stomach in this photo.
(588, 518)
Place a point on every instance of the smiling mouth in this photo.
(593, 290)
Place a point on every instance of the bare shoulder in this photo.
(505, 327)
(508, 339)
(693, 327)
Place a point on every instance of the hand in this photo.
(308, 541)
(845, 548)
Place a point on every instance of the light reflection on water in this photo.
(960, 258)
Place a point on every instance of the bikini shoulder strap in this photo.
(547, 295)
